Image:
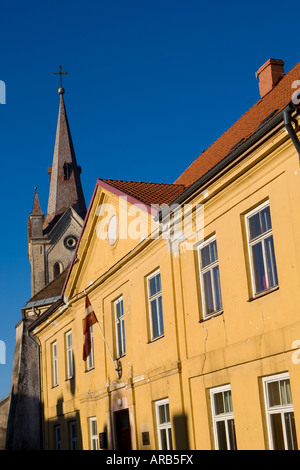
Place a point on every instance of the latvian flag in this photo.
(89, 320)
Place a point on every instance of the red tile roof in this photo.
(148, 193)
(266, 108)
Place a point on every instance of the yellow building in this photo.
(195, 286)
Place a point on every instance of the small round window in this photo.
(70, 242)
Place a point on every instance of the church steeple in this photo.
(52, 238)
(65, 184)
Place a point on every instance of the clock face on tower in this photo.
(70, 242)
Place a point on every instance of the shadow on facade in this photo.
(64, 431)
(26, 412)
(181, 432)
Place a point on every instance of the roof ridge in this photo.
(142, 182)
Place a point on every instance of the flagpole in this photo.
(106, 342)
(118, 369)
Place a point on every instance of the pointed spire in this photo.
(65, 185)
(36, 208)
(35, 219)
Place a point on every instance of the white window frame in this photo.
(154, 298)
(257, 240)
(280, 409)
(58, 442)
(224, 417)
(119, 328)
(93, 436)
(73, 436)
(204, 270)
(69, 355)
(54, 364)
(163, 426)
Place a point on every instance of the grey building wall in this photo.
(24, 419)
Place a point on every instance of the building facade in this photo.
(195, 289)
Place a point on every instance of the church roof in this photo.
(50, 293)
(65, 185)
(254, 119)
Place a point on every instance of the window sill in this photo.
(213, 315)
(155, 339)
(120, 357)
(262, 294)
(69, 379)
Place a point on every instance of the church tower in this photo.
(52, 238)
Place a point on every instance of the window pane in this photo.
(117, 310)
(271, 264)
(167, 412)
(123, 337)
(94, 427)
(161, 321)
(163, 437)
(290, 431)
(170, 439)
(231, 434)
(152, 286)
(228, 401)
(221, 435)
(258, 265)
(74, 431)
(153, 306)
(69, 340)
(213, 251)
(265, 219)
(208, 292)
(286, 395)
(205, 256)
(277, 431)
(274, 394)
(155, 284)
(217, 286)
(158, 283)
(94, 444)
(255, 226)
(219, 403)
(161, 414)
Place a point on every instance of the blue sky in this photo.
(150, 85)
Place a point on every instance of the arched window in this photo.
(57, 269)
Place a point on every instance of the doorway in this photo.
(123, 435)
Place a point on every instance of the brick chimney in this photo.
(269, 75)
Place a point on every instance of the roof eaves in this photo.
(45, 315)
(42, 302)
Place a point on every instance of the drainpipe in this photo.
(290, 129)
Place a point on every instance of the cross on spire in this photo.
(60, 73)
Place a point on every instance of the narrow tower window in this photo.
(57, 269)
(66, 170)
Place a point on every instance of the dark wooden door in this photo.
(123, 430)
